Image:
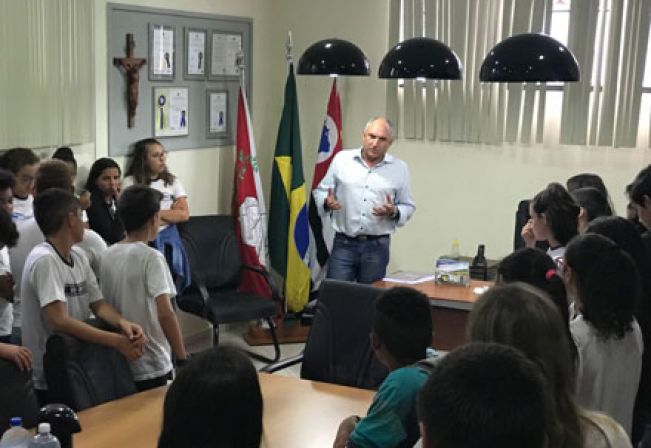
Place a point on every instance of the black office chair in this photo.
(17, 397)
(82, 374)
(338, 348)
(216, 271)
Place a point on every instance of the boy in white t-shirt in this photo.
(59, 289)
(138, 283)
(51, 174)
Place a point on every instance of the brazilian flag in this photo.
(288, 218)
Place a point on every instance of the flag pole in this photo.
(289, 46)
(239, 61)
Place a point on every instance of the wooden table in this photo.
(450, 308)
(297, 413)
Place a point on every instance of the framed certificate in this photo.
(195, 54)
(223, 55)
(161, 53)
(171, 111)
(217, 114)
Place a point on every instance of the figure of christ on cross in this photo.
(131, 67)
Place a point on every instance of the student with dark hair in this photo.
(138, 283)
(624, 233)
(51, 174)
(589, 180)
(523, 317)
(23, 163)
(484, 395)
(402, 332)
(104, 186)
(605, 284)
(7, 184)
(8, 238)
(593, 204)
(533, 267)
(147, 166)
(215, 401)
(66, 155)
(554, 218)
(59, 289)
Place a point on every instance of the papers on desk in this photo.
(408, 277)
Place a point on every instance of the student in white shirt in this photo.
(148, 166)
(51, 174)
(24, 164)
(138, 283)
(59, 289)
(554, 218)
(8, 238)
(604, 282)
(522, 316)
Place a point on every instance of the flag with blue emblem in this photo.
(321, 231)
(288, 221)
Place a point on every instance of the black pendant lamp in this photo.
(334, 57)
(529, 57)
(420, 57)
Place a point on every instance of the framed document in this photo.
(217, 113)
(171, 112)
(195, 54)
(223, 55)
(161, 53)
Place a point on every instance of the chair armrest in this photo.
(283, 364)
(275, 292)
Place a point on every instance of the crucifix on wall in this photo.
(131, 66)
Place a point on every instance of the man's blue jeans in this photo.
(356, 259)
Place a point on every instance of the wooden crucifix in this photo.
(131, 66)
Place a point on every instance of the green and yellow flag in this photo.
(288, 220)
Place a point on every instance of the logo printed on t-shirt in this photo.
(75, 289)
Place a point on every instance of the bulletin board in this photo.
(188, 87)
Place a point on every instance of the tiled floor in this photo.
(232, 335)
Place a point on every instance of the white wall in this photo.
(465, 192)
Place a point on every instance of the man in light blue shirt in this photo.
(368, 193)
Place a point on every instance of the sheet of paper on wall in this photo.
(171, 116)
(224, 54)
(196, 52)
(409, 277)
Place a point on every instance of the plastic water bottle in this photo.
(44, 439)
(16, 436)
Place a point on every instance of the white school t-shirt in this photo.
(6, 316)
(609, 371)
(48, 278)
(23, 209)
(133, 275)
(170, 192)
(30, 236)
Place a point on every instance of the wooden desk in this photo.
(450, 308)
(297, 413)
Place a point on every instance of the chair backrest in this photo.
(209, 242)
(17, 397)
(338, 349)
(81, 374)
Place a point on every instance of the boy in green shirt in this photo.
(402, 332)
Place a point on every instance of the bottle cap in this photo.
(43, 427)
(16, 421)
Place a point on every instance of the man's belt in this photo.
(362, 237)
